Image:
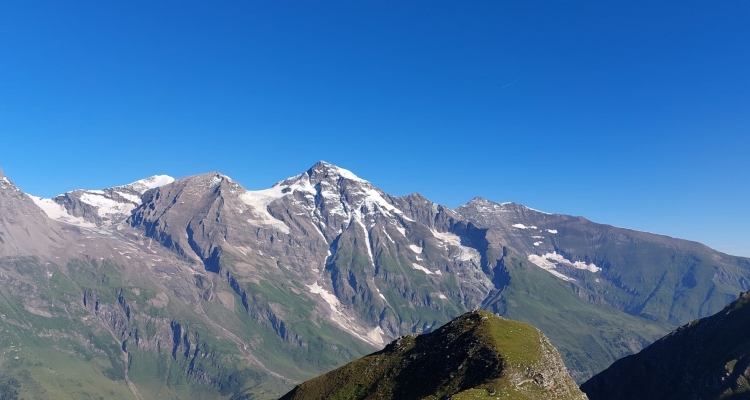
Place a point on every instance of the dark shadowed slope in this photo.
(705, 359)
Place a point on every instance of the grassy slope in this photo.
(49, 365)
(588, 336)
(477, 354)
(68, 352)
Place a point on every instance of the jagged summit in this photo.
(6, 184)
(323, 170)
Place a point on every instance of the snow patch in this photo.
(344, 173)
(423, 269)
(588, 267)
(388, 236)
(368, 244)
(549, 262)
(104, 205)
(59, 213)
(537, 243)
(415, 248)
(442, 296)
(373, 336)
(535, 210)
(373, 197)
(520, 226)
(259, 201)
(130, 197)
(465, 253)
(153, 182)
(215, 180)
(329, 298)
(548, 266)
(553, 231)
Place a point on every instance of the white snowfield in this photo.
(59, 213)
(130, 197)
(466, 253)
(522, 226)
(105, 206)
(550, 261)
(259, 201)
(150, 183)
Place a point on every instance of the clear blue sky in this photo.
(635, 114)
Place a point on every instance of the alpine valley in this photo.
(197, 288)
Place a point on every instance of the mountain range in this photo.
(199, 288)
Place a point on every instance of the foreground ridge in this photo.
(477, 355)
(705, 359)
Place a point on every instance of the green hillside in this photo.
(478, 355)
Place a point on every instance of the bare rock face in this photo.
(24, 228)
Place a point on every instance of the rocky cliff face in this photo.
(477, 355)
(705, 359)
(24, 228)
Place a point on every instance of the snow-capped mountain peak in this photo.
(326, 171)
(152, 182)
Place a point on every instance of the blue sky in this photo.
(633, 114)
